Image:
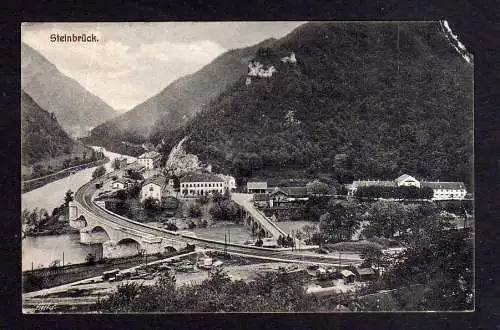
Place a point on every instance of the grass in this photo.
(352, 246)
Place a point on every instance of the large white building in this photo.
(446, 190)
(441, 190)
(203, 184)
(149, 160)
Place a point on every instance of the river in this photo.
(42, 250)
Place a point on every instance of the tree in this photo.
(225, 210)
(371, 256)
(116, 164)
(150, 203)
(195, 211)
(68, 197)
(99, 172)
(340, 222)
(317, 187)
(309, 230)
(90, 259)
(386, 218)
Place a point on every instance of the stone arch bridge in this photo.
(118, 238)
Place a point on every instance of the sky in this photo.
(133, 61)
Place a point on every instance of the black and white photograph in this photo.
(247, 167)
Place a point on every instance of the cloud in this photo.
(201, 52)
(134, 61)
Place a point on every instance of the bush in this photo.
(171, 226)
(195, 211)
(259, 243)
(90, 259)
(225, 210)
(99, 172)
(171, 203)
(203, 200)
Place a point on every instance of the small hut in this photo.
(348, 276)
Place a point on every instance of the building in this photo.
(229, 181)
(121, 183)
(407, 181)
(446, 190)
(348, 276)
(353, 187)
(156, 188)
(441, 190)
(202, 184)
(261, 200)
(288, 196)
(367, 274)
(256, 187)
(149, 160)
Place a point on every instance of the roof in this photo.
(158, 180)
(405, 177)
(346, 273)
(260, 197)
(150, 154)
(444, 185)
(366, 271)
(291, 191)
(256, 185)
(368, 183)
(201, 177)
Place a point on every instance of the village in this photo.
(201, 200)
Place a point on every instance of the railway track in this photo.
(84, 196)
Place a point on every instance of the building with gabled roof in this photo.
(256, 187)
(149, 160)
(407, 180)
(121, 183)
(446, 190)
(154, 187)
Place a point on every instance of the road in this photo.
(83, 197)
(245, 200)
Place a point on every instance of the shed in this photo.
(256, 187)
(367, 274)
(347, 275)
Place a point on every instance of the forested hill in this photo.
(363, 101)
(41, 135)
(179, 101)
(76, 108)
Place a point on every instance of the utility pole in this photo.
(225, 243)
(340, 259)
(63, 259)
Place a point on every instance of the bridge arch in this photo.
(100, 232)
(128, 247)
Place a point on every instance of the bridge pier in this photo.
(112, 249)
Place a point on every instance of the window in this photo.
(151, 188)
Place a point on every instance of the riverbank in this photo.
(35, 183)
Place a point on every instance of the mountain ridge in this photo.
(76, 108)
(363, 100)
(177, 102)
